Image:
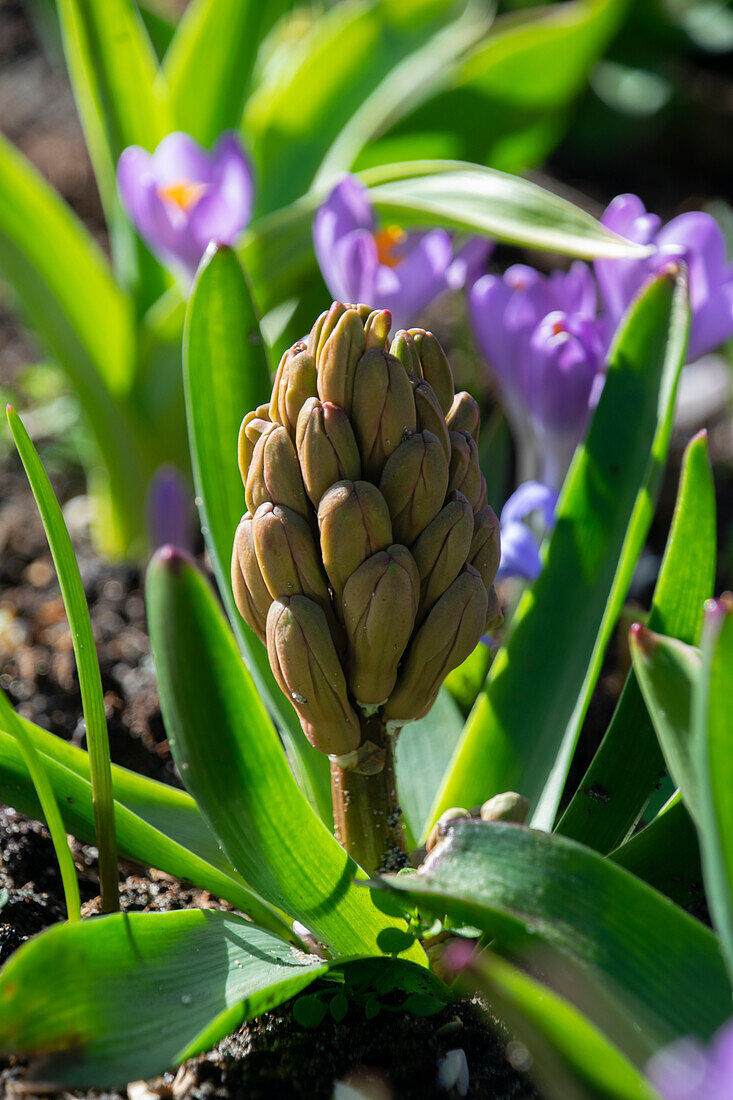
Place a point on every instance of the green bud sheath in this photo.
(379, 606)
(465, 473)
(287, 555)
(440, 551)
(274, 474)
(414, 483)
(250, 591)
(485, 551)
(464, 415)
(451, 631)
(337, 358)
(376, 329)
(383, 409)
(353, 519)
(430, 415)
(403, 348)
(305, 663)
(435, 367)
(326, 447)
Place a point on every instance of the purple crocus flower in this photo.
(541, 337)
(687, 1070)
(169, 511)
(386, 267)
(694, 238)
(181, 197)
(520, 548)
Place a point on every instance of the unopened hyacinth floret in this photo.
(367, 556)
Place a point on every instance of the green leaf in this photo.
(226, 374)
(660, 966)
(522, 732)
(666, 855)
(629, 762)
(667, 671)
(506, 103)
(85, 655)
(245, 789)
(150, 830)
(208, 66)
(712, 739)
(423, 751)
(107, 1001)
(570, 1058)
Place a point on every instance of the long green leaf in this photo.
(208, 66)
(570, 1058)
(629, 762)
(666, 855)
(107, 1001)
(226, 374)
(712, 733)
(662, 966)
(524, 726)
(667, 671)
(85, 654)
(231, 760)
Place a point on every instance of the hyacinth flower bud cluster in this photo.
(367, 556)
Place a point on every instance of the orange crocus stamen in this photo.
(182, 193)
(386, 241)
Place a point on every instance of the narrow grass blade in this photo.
(625, 770)
(666, 855)
(226, 374)
(108, 1001)
(245, 789)
(662, 967)
(524, 726)
(90, 681)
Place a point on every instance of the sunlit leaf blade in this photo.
(147, 833)
(666, 854)
(208, 66)
(629, 762)
(524, 726)
(667, 670)
(712, 732)
(571, 1059)
(244, 788)
(226, 374)
(506, 103)
(107, 1001)
(662, 966)
(85, 655)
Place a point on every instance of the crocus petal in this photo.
(179, 157)
(223, 212)
(346, 209)
(563, 359)
(620, 280)
(520, 554)
(488, 300)
(421, 276)
(469, 262)
(351, 268)
(575, 290)
(531, 496)
(134, 178)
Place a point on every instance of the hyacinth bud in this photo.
(414, 483)
(430, 415)
(353, 519)
(494, 614)
(254, 425)
(326, 447)
(465, 473)
(337, 358)
(383, 409)
(305, 663)
(508, 806)
(435, 367)
(403, 348)
(441, 550)
(274, 473)
(485, 549)
(250, 591)
(376, 329)
(287, 555)
(294, 383)
(323, 327)
(450, 632)
(464, 415)
(379, 603)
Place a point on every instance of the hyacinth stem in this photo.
(366, 812)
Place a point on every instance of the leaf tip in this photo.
(641, 639)
(172, 558)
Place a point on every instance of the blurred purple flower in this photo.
(695, 238)
(687, 1070)
(169, 512)
(541, 336)
(520, 548)
(386, 267)
(181, 197)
